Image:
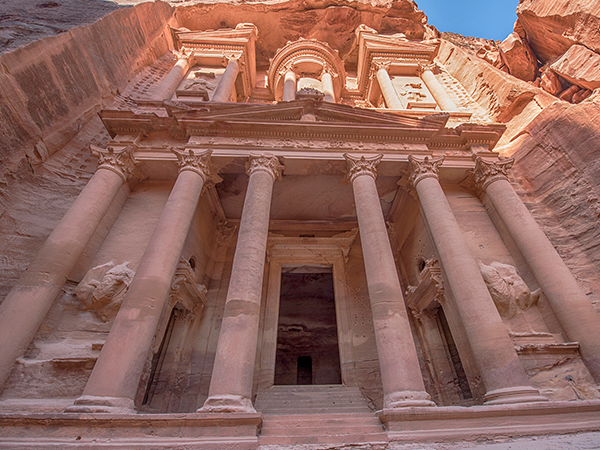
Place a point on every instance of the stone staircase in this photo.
(324, 414)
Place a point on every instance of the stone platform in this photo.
(241, 431)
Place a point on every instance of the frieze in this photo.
(311, 144)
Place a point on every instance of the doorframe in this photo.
(306, 251)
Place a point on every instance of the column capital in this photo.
(486, 172)
(266, 163)
(199, 163)
(361, 165)
(184, 53)
(382, 64)
(426, 66)
(122, 162)
(427, 168)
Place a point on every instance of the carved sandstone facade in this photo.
(326, 236)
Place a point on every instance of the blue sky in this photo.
(490, 19)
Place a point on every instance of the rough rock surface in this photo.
(552, 26)
(521, 61)
(580, 66)
(50, 91)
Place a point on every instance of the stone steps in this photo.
(328, 414)
(311, 399)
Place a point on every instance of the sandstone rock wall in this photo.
(50, 91)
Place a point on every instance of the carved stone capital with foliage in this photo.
(121, 162)
(199, 163)
(266, 163)
(486, 172)
(361, 165)
(427, 168)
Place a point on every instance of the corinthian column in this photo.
(390, 95)
(168, 85)
(327, 82)
(114, 381)
(400, 372)
(26, 305)
(501, 371)
(437, 90)
(574, 311)
(225, 87)
(289, 86)
(231, 383)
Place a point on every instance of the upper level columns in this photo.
(233, 371)
(289, 86)
(227, 83)
(26, 305)
(390, 95)
(168, 85)
(400, 372)
(437, 90)
(327, 83)
(501, 371)
(114, 381)
(576, 314)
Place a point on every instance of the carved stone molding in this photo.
(199, 163)
(324, 248)
(486, 172)
(266, 163)
(121, 162)
(427, 168)
(429, 293)
(361, 165)
(184, 290)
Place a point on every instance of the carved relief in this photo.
(362, 165)
(508, 290)
(103, 288)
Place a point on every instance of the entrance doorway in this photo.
(307, 335)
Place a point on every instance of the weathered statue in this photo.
(508, 290)
(103, 288)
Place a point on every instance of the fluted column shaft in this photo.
(574, 311)
(114, 381)
(168, 85)
(289, 86)
(26, 305)
(501, 371)
(327, 82)
(437, 90)
(400, 372)
(390, 95)
(227, 82)
(233, 371)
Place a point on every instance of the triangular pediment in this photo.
(308, 111)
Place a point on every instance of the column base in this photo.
(407, 399)
(227, 404)
(518, 394)
(97, 404)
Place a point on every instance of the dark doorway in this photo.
(307, 344)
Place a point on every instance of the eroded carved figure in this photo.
(103, 288)
(508, 290)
